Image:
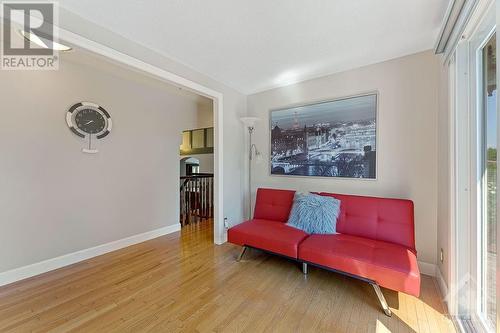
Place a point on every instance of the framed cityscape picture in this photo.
(336, 138)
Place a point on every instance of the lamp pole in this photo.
(250, 145)
(249, 123)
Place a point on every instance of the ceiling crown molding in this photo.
(456, 18)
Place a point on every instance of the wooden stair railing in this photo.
(197, 197)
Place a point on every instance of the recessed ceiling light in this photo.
(42, 42)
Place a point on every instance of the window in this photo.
(473, 271)
(487, 227)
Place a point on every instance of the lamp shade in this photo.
(249, 121)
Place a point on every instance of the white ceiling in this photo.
(254, 45)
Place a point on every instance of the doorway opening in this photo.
(196, 186)
(191, 166)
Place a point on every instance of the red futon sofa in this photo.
(375, 239)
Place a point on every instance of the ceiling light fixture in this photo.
(42, 42)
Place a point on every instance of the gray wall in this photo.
(56, 200)
(234, 104)
(407, 136)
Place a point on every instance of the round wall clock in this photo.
(88, 120)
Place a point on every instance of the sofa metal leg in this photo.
(381, 299)
(243, 250)
(304, 268)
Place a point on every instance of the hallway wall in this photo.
(56, 200)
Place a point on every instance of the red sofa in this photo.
(375, 240)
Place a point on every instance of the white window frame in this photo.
(465, 83)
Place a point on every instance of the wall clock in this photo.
(89, 121)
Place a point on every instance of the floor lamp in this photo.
(249, 123)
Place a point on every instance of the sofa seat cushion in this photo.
(391, 265)
(267, 235)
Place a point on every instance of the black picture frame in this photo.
(333, 138)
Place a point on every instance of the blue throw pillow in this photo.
(314, 214)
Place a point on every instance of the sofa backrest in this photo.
(274, 205)
(389, 220)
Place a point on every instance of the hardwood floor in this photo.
(182, 282)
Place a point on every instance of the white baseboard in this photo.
(443, 288)
(427, 268)
(25, 272)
